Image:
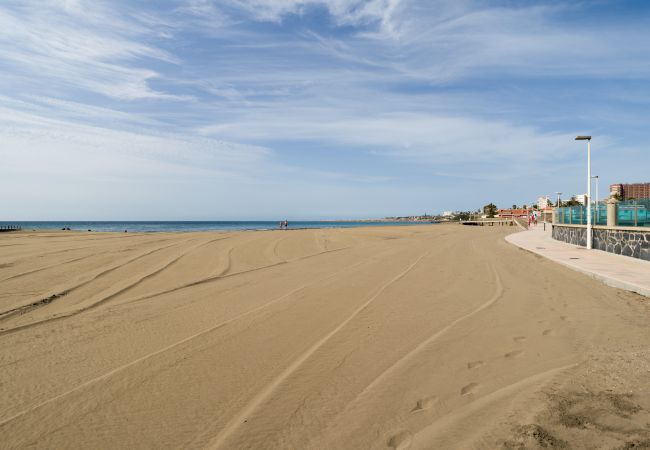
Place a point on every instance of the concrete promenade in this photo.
(618, 271)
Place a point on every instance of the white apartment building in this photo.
(582, 198)
(542, 202)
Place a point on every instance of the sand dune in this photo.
(434, 336)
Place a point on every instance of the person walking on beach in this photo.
(286, 224)
(282, 224)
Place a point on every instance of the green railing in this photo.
(631, 213)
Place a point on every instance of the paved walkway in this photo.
(618, 271)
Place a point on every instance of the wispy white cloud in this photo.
(344, 12)
(444, 41)
(200, 14)
(80, 45)
(422, 138)
(526, 41)
(35, 142)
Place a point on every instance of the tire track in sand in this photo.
(400, 363)
(143, 278)
(219, 277)
(228, 264)
(143, 358)
(319, 241)
(48, 300)
(267, 391)
(271, 252)
(58, 264)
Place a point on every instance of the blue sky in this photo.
(306, 109)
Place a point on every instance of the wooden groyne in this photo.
(4, 228)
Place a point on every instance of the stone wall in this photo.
(620, 241)
(572, 235)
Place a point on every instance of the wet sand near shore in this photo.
(433, 336)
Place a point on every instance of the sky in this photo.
(308, 109)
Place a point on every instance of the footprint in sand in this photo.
(548, 332)
(469, 389)
(425, 403)
(474, 364)
(401, 441)
(563, 317)
(513, 354)
(519, 339)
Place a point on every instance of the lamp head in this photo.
(583, 138)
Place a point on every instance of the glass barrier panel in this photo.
(631, 213)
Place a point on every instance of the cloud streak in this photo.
(80, 45)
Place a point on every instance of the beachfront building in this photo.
(630, 190)
(542, 202)
(510, 213)
(582, 198)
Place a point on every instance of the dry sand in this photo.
(435, 336)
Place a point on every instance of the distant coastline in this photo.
(385, 220)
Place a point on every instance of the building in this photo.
(582, 198)
(542, 202)
(630, 190)
(447, 214)
(509, 213)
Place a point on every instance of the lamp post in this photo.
(558, 198)
(595, 177)
(588, 139)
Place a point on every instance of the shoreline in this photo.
(175, 227)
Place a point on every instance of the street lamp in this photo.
(595, 177)
(558, 198)
(588, 139)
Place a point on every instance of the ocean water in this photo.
(197, 226)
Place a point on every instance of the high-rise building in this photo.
(630, 190)
(542, 202)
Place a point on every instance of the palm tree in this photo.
(490, 210)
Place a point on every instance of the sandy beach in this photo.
(432, 336)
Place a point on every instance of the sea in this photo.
(155, 226)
